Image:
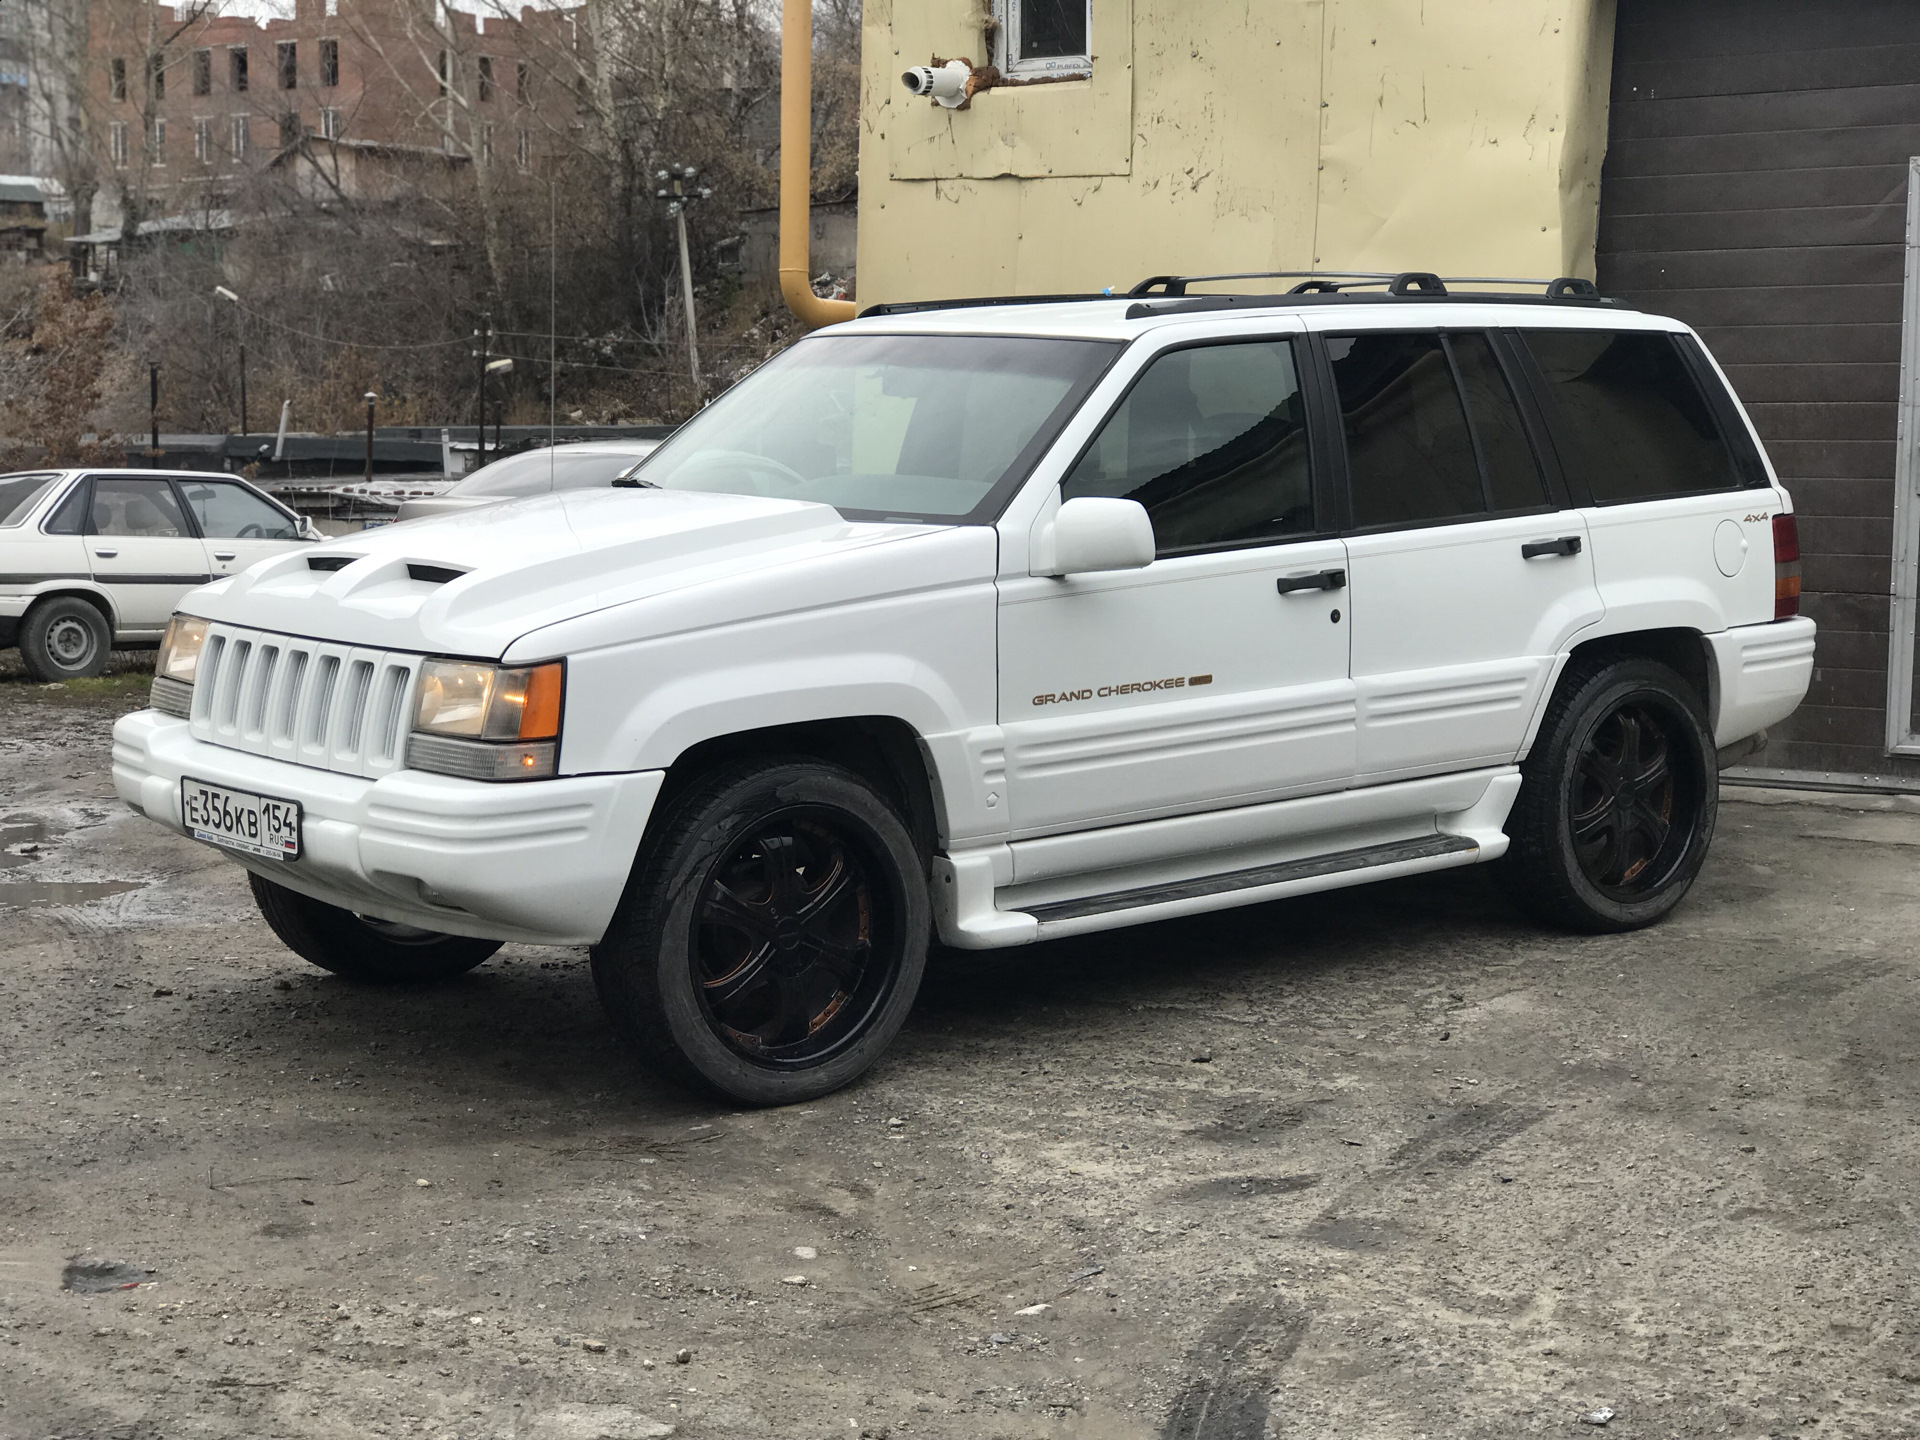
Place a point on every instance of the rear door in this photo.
(237, 527)
(141, 549)
(1469, 573)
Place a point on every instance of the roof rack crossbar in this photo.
(1397, 282)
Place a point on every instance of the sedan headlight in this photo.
(487, 722)
(176, 665)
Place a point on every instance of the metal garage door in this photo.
(1756, 186)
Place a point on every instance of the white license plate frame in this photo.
(244, 821)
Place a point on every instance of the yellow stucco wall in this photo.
(1461, 136)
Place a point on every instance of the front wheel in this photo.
(773, 935)
(1617, 801)
(361, 947)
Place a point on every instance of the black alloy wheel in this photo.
(784, 943)
(1617, 801)
(773, 934)
(363, 948)
(1629, 811)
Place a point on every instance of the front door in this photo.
(141, 550)
(1217, 675)
(237, 526)
(1468, 577)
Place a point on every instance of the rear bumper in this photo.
(1761, 674)
(543, 862)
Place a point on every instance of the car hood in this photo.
(471, 583)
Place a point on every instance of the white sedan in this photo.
(93, 559)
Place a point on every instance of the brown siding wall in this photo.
(1755, 186)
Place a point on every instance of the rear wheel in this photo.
(1618, 801)
(773, 936)
(64, 638)
(361, 947)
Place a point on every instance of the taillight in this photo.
(1786, 567)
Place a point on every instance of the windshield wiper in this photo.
(634, 482)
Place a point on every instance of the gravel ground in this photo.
(1387, 1162)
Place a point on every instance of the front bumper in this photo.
(542, 862)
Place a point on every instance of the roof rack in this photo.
(1399, 284)
(1167, 294)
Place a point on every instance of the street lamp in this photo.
(370, 398)
(225, 294)
(678, 190)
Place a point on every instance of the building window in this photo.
(486, 143)
(523, 150)
(291, 129)
(523, 82)
(237, 66)
(203, 72)
(287, 53)
(240, 133)
(157, 75)
(441, 68)
(203, 141)
(1044, 37)
(486, 78)
(157, 141)
(117, 78)
(329, 63)
(117, 143)
(330, 124)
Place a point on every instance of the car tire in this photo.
(65, 638)
(730, 971)
(1617, 801)
(361, 948)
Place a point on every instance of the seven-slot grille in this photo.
(334, 707)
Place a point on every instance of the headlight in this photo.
(176, 665)
(487, 722)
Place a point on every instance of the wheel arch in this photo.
(1680, 648)
(96, 598)
(883, 750)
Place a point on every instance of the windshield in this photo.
(896, 427)
(18, 494)
(535, 472)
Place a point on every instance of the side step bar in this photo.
(1400, 852)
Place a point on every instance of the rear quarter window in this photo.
(1630, 416)
(20, 493)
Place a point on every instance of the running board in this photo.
(1340, 862)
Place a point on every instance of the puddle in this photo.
(93, 1277)
(29, 834)
(23, 894)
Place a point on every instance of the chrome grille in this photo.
(334, 707)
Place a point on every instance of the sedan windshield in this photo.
(536, 472)
(897, 427)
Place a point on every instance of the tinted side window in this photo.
(229, 512)
(1632, 415)
(135, 507)
(1513, 473)
(1409, 453)
(1213, 441)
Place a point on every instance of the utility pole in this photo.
(243, 387)
(370, 398)
(676, 188)
(484, 353)
(153, 413)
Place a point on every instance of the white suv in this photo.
(998, 621)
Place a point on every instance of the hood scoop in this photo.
(433, 574)
(330, 562)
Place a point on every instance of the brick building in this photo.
(187, 108)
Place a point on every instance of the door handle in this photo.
(106, 554)
(1325, 580)
(1565, 545)
(224, 554)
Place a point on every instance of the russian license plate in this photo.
(237, 820)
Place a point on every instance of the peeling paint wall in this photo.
(1356, 134)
